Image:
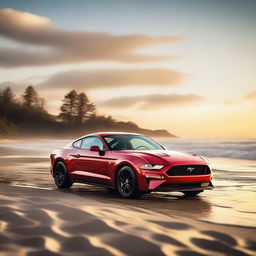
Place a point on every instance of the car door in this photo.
(90, 166)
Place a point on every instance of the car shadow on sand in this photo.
(172, 204)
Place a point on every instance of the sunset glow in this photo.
(188, 68)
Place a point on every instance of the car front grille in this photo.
(187, 170)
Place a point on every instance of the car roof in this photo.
(101, 134)
(110, 133)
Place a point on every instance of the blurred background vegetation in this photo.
(27, 116)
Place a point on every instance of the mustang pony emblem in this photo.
(190, 169)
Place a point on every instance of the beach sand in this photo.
(38, 219)
(45, 222)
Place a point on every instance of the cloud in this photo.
(250, 96)
(140, 102)
(111, 78)
(152, 101)
(57, 46)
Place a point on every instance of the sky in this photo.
(185, 66)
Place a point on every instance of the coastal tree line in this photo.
(27, 115)
(28, 111)
(76, 107)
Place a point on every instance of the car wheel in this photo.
(126, 183)
(192, 193)
(61, 177)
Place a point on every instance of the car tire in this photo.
(192, 193)
(126, 183)
(60, 176)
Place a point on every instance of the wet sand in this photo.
(38, 219)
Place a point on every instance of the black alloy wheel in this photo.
(126, 182)
(61, 177)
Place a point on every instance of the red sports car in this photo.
(130, 163)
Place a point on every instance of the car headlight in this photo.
(151, 167)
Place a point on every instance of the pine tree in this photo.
(68, 110)
(30, 98)
(84, 108)
(7, 96)
(7, 102)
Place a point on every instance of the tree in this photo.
(76, 108)
(84, 108)
(7, 96)
(68, 110)
(7, 102)
(30, 98)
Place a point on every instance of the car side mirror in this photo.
(95, 148)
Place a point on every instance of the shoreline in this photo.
(57, 190)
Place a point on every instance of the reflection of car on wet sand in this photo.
(129, 163)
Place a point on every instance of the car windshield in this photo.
(131, 142)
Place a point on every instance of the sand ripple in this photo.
(37, 222)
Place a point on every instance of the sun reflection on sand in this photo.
(96, 241)
(19, 213)
(51, 244)
(145, 227)
(3, 226)
(57, 222)
(58, 230)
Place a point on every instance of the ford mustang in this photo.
(129, 163)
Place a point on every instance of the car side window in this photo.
(77, 144)
(138, 143)
(92, 141)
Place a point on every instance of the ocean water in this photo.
(230, 155)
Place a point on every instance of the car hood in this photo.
(160, 156)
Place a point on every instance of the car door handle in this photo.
(77, 155)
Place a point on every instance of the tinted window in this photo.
(92, 141)
(77, 144)
(130, 142)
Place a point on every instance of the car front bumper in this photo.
(185, 186)
(160, 181)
